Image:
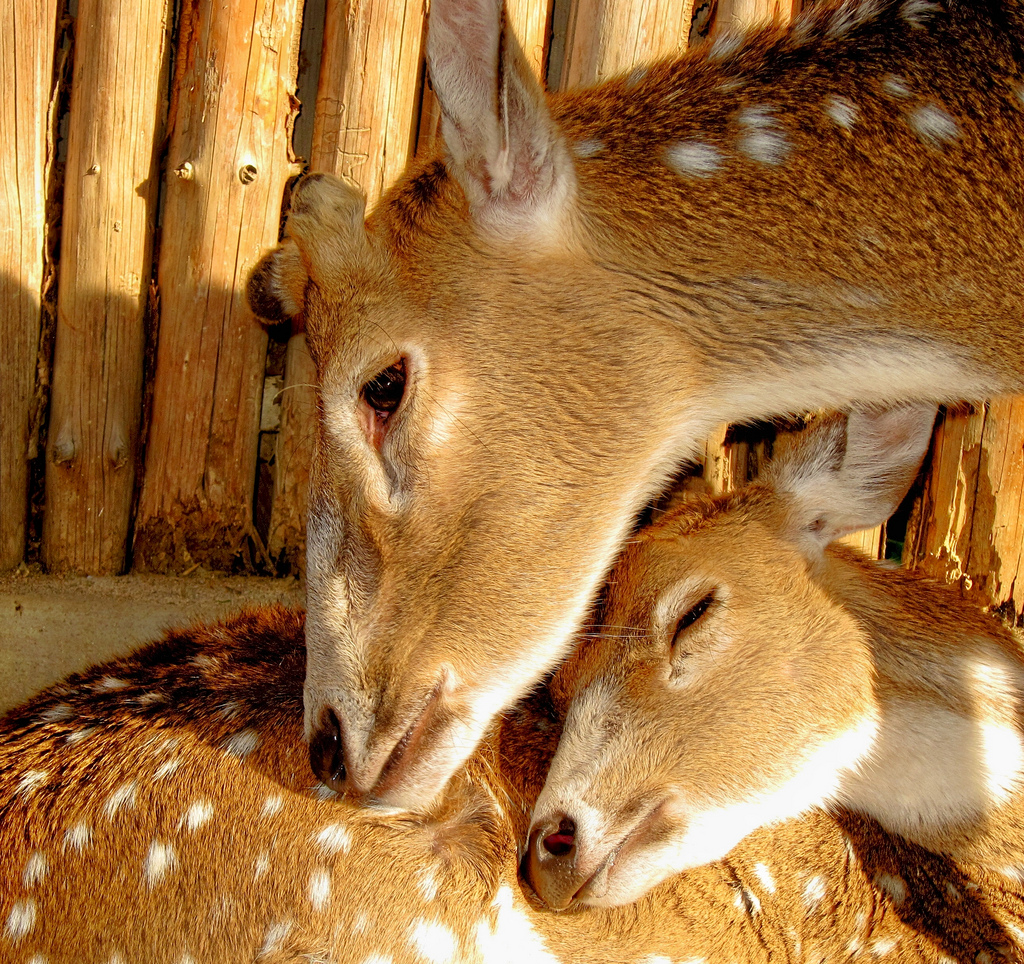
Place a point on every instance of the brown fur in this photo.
(812, 678)
(182, 699)
(577, 310)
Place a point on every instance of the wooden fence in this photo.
(146, 421)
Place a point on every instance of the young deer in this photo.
(528, 335)
(159, 810)
(745, 671)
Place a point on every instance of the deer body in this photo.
(528, 335)
(159, 809)
(745, 674)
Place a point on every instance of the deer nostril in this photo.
(326, 754)
(562, 842)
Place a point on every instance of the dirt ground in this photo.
(54, 625)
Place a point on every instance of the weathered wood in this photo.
(370, 78)
(116, 125)
(968, 527)
(740, 14)
(228, 161)
(27, 36)
(603, 39)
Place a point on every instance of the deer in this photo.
(746, 669)
(532, 330)
(159, 808)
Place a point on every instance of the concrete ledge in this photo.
(54, 625)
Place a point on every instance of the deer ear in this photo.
(840, 479)
(504, 148)
(277, 285)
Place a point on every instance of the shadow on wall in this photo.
(106, 475)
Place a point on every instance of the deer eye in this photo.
(689, 618)
(383, 393)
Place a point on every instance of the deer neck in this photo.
(947, 767)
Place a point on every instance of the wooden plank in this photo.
(115, 128)
(228, 161)
(968, 527)
(603, 39)
(27, 36)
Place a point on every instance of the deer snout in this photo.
(356, 757)
(551, 865)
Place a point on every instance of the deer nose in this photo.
(327, 753)
(551, 861)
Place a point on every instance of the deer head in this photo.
(528, 335)
(724, 688)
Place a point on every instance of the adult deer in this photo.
(528, 335)
(745, 672)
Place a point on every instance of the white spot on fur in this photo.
(229, 710)
(426, 881)
(319, 889)
(657, 959)
(57, 714)
(166, 768)
(198, 814)
(952, 893)
(79, 836)
(725, 44)
(587, 148)
(160, 860)
(896, 86)
(843, 112)
(362, 923)
(334, 838)
(242, 743)
(21, 919)
(151, 699)
(261, 865)
(433, 941)
(277, 934)
(849, 16)
(881, 946)
(37, 959)
(919, 12)
(765, 876)
(512, 938)
(109, 684)
(272, 805)
(32, 781)
(693, 158)
(761, 137)
(933, 125)
(35, 870)
(894, 886)
(123, 798)
(187, 958)
(81, 734)
(814, 891)
(379, 959)
(1019, 92)
(204, 662)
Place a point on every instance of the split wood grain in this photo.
(228, 161)
(27, 37)
(116, 124)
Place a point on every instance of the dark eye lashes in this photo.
(693, 615)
